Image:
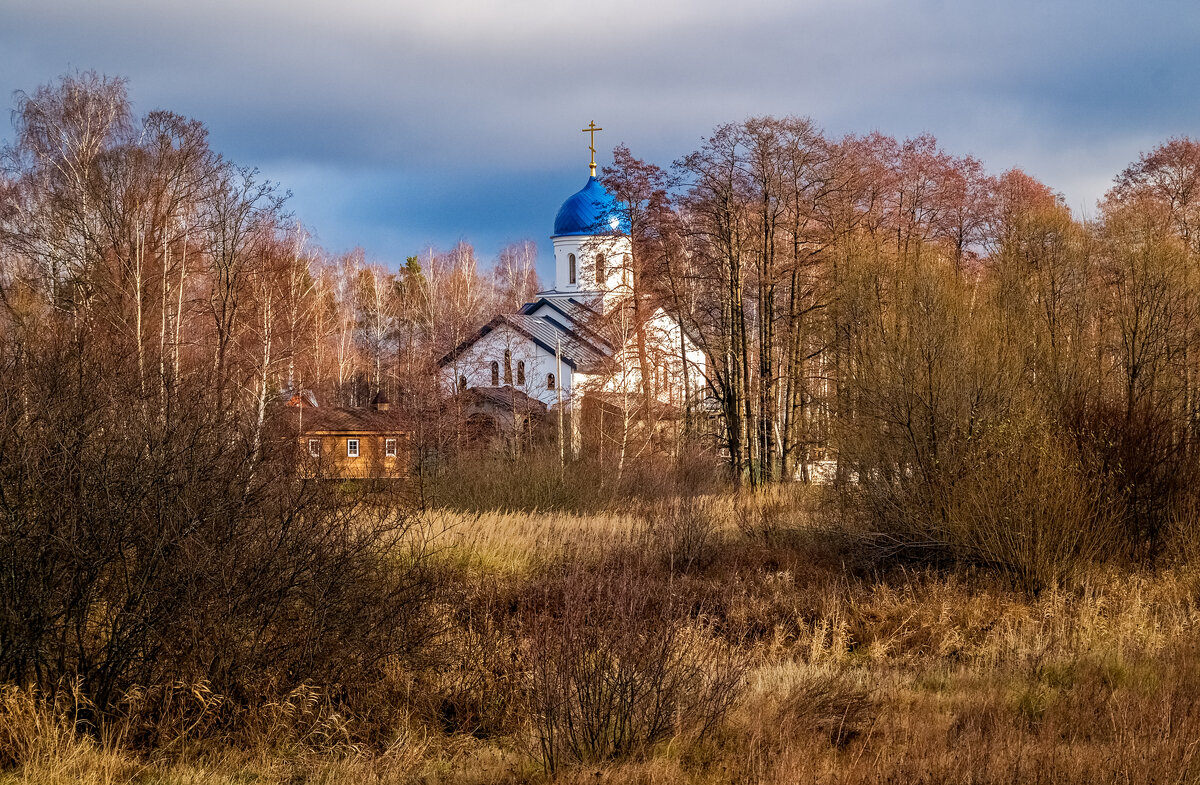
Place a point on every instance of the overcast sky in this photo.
(400, 124)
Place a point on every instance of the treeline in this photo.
(768, 242)
(955, 343)
(193, 267)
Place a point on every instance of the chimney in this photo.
(380, 402)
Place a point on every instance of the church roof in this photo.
(576, 316)
(586, 355)
(590, 210)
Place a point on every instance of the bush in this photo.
(617, 666)
(830, 705)
(477, 683)
(1016, 497)
(685, 531)
(140, 551)
(1034, 510)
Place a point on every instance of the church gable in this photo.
(503, 331)
(521, 351)
(499, 356)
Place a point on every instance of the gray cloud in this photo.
(397, 124)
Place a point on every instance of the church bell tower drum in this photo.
(591, 242)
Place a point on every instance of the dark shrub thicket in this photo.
(986, 426)
(142, 547)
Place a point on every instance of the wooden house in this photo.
(350, 443)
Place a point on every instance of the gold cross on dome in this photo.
(592, 129)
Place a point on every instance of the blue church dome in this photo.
(591, 210)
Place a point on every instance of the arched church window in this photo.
(549, 381)
(601, 272)
(571, 268)
(495, 374)
(462, 383)
(521, 372)
(507, 366)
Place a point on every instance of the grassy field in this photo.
(818, 665)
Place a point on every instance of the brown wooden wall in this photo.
(371, 462)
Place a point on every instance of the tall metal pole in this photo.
(562, 449)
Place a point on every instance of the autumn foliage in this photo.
(944, 465)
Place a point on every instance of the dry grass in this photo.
(857, 675)
(510, 542)
(516, 543)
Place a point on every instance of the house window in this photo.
(462, 383)
(507, 367)
(520, 372)
(571, 268)
(352, 448)
(495, 374)
(314, 448)
(389, 448)
(549, 381)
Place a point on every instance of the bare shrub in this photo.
(537, 480)
(476, 684)
(1033, 509)
(1182, 529)
(830, 705)
(158, 551)
(685, 531)
(161, 716)
(690, 472)
(616, 666)
(1014, 494)
(764, 518)
(530, 481)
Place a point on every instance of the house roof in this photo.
(335, 420)
(294, 397)
(506, 396)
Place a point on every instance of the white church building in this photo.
(580, 338)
